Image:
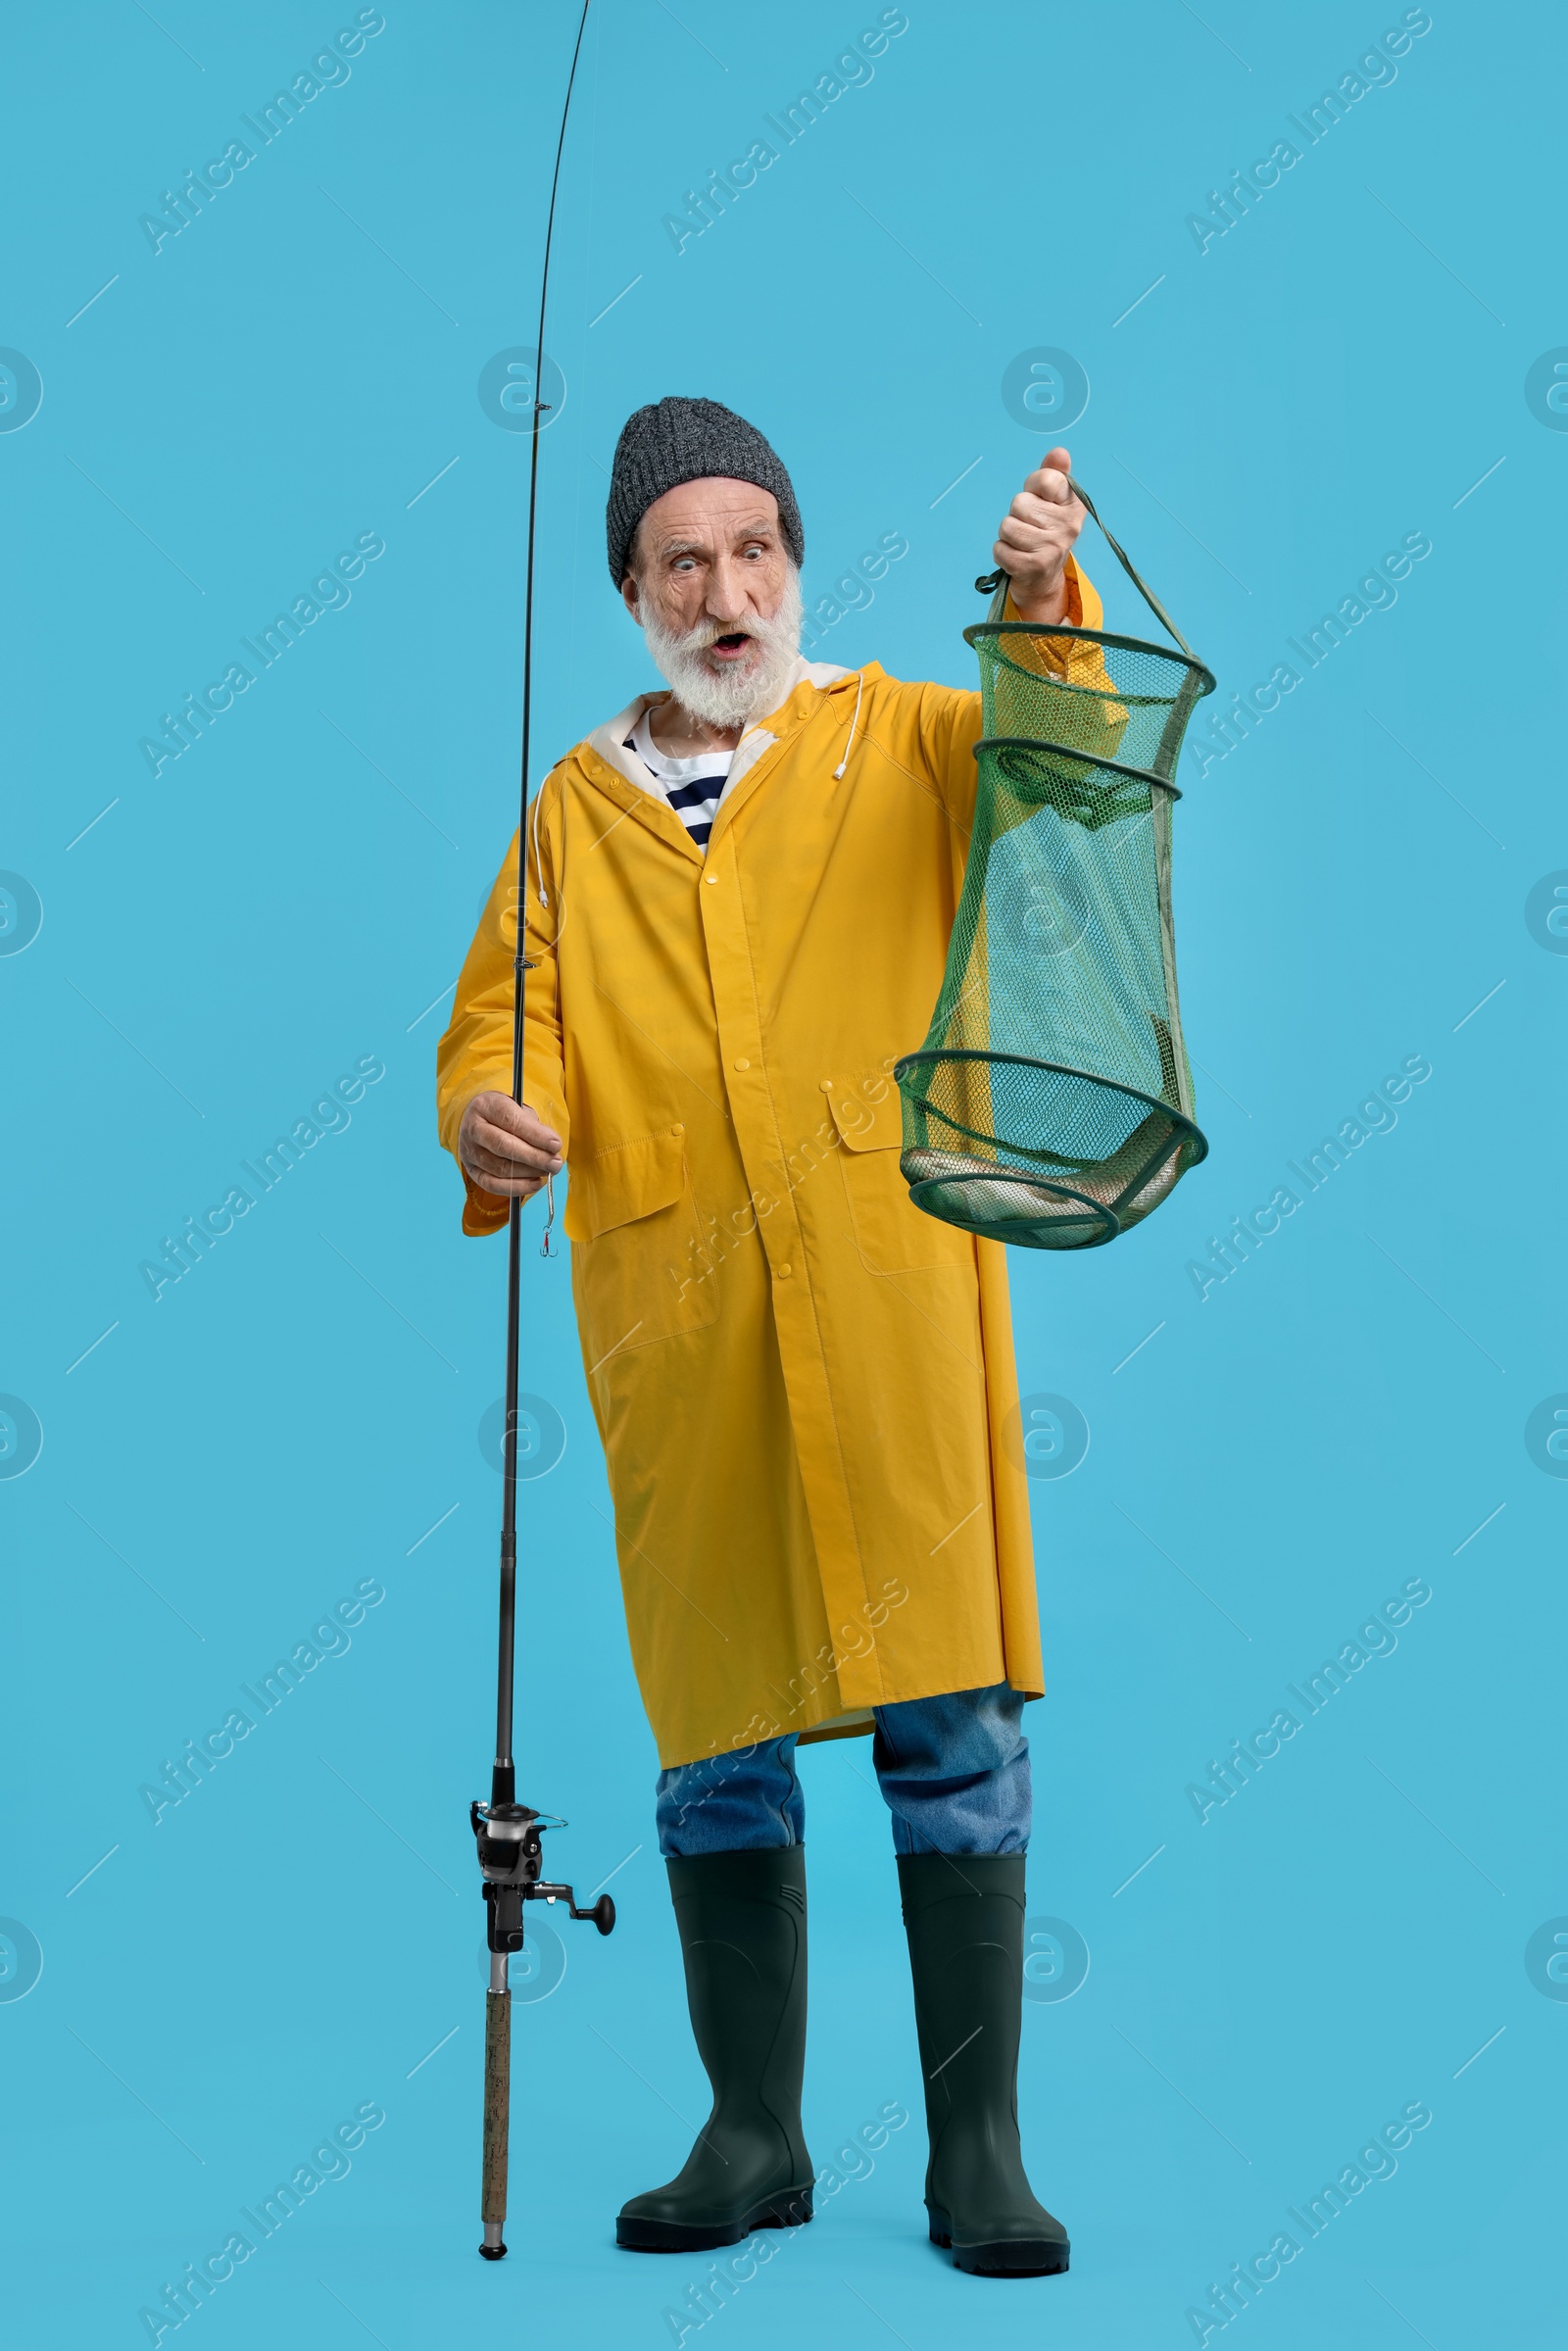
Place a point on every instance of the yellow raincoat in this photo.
(804, 1385)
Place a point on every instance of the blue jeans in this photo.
(953, 1773)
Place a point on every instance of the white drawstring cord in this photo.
(538, 796)
(859, 688)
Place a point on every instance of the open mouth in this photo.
(730, 648)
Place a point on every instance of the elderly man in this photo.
(738, 899)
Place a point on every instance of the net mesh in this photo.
(1051, 1103)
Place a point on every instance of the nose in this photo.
(729, 596)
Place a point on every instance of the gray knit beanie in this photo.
(686, 440)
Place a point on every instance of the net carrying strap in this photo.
(998, 581)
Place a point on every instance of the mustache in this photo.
(710, 632)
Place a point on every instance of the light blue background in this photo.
(1336, 370)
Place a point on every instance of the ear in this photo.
(629, 593)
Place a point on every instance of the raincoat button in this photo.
(743, 1066)
(784, 1273)
(712, 879)
(827, 1085)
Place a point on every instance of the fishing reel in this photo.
(512, 1859)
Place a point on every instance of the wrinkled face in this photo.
(710, 566)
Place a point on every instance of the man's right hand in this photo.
(505, 1147)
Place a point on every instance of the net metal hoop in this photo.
(1188, 1136)
(1081, 759)
(970, 1053)
(1089, 636)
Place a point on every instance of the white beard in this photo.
(732, 696)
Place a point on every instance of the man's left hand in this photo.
(1037, 537)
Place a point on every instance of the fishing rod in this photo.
(507, 1833)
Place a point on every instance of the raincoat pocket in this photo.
(637, 1253)
(891, 1234)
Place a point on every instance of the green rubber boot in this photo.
(742, 1919)
(963, 1916)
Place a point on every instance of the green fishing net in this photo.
(1051, 1103)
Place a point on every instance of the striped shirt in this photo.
(692, 787)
